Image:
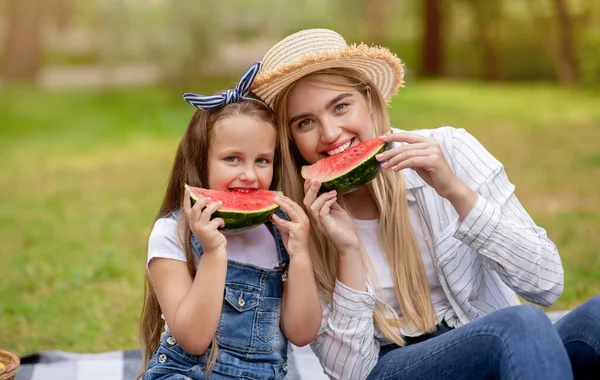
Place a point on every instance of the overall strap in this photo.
(283, 256)
(195, 243)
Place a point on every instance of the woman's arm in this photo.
(192, 309)
(491, 220)
(499, 228)
(301, 309)
(346, 345)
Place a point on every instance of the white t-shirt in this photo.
(255, 246)
(368, 231)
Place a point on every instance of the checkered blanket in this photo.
(55, 365)
(126, 365)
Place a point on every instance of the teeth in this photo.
(340, 149)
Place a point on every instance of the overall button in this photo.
(171, 341)
(284, 367)
(162, 358)
(241, 302)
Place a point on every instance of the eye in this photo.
(304, 123)
(341, 106)
(232, 159)
(262, 161)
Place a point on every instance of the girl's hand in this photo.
(198, 218)
(294, 232)
(331, 218)
(423, 155)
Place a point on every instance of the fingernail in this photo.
(277, 198)
(384, 164)
(379, 156)
(383, 137)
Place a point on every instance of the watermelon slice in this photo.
(349, 170)
(240, 210)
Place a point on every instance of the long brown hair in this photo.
(190, 166)
(395, 231)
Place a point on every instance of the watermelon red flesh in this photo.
(349, 170)
(240, 210)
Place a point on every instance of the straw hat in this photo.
(312, 50)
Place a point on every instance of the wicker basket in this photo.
(11, 361)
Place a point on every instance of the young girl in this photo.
(224, 299)
(418, 271)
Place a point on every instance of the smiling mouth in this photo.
(242, 190)
(339, 149)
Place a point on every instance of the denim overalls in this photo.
(251, 343)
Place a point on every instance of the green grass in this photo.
(82, 175)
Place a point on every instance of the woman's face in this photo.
(326, 119)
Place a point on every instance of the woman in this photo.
(418, 270)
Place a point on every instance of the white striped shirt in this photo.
(481, 261)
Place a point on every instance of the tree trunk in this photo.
(559, 50)
(62, 10)
(568, 65)
(432, 45)
(376, 27)
(22, 52)
(485, 23)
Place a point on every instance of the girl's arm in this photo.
(300, 311)
(192, 308)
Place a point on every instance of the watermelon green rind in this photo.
(356, 177)
(239, 220)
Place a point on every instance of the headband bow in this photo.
(214, 102)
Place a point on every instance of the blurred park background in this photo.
(91, 114)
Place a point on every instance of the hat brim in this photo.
(383, 68)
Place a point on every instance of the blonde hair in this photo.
(395, 231)
(190, 166)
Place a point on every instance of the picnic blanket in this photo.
(126, 365)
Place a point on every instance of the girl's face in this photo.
(241, 154)
(326, 119)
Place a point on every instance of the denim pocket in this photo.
(241, 298)
(267, 319)
(236, 326)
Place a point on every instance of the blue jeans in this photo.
(514, 343)
(580, 333)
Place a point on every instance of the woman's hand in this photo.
(424, 156)
(331, 218)
(205, 229)
(294, 232)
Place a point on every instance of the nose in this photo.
(248, 174)
(330, 131)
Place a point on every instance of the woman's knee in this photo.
(591, 307)
(524, 320)
(582, 321)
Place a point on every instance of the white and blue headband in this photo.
(242, 88)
